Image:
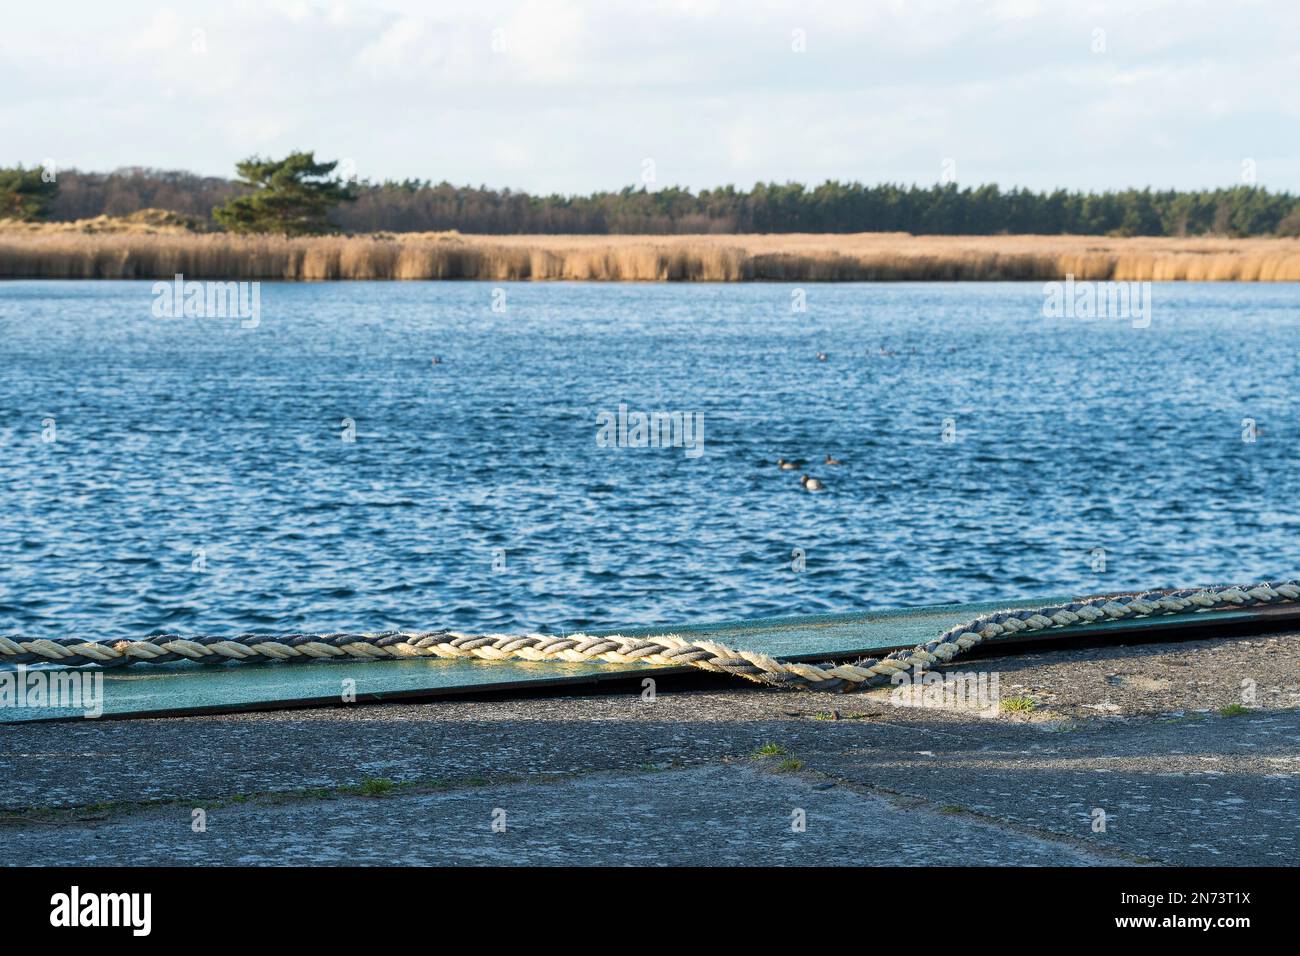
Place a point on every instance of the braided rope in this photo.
(667, 649)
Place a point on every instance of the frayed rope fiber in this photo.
(661, 650)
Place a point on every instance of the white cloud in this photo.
(584, 89)
(406, 47)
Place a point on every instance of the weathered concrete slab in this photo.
(718, 815)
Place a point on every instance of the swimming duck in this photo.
(833, 461)
(812, 484)
(789, 465)
(821, 356)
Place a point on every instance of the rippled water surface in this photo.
(199, 479)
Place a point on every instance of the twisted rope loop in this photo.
(661, 650)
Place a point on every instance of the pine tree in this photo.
(291, 196)
(25, 194)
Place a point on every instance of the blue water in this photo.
(195, 443)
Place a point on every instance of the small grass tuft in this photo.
(376, 787)
(1233, 710)
(771, 750)
(836, 715)
(951, 809)
(1019, 705)
(790, 765)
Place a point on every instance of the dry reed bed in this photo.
(60, 253)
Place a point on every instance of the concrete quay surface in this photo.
(1152, 740)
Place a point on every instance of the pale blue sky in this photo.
(575, 96)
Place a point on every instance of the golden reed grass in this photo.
(65, 252)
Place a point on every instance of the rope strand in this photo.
(661, 650)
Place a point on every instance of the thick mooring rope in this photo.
(667, 649)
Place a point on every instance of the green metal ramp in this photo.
(197, 688)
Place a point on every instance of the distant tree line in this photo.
(120, 193)
(830, 207)
(419, 206)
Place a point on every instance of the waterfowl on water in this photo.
(821, 356)
(833, 461)
(789, 465)
(812, 484)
